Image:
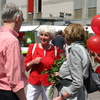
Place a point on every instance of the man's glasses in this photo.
(22, 18)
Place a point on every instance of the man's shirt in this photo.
(12, 69)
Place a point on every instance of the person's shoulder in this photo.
(60, 36)
(55, 37)
(32, 44)
(57, 48)
(10, 39)
(77, 48)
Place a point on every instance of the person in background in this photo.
(38, 61)
(96, 59)
(75, 69)
(59, 41)
(12, 69)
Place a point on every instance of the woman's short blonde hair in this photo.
(75, 32)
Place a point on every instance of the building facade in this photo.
(70, 11)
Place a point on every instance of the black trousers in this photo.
(8, 95)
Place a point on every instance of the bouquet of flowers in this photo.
(55, 68)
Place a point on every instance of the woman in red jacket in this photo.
(40, 57)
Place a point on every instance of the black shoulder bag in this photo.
(92, 83)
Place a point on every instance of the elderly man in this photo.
(12, 77)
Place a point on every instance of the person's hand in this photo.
(56, 73)
(58, 98)
(92, 53)
(37, 60)
(52, 82)
(97, 57)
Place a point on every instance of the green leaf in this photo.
(55, 69)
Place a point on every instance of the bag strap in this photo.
(55, 49)
(90, 66)
(84, 52)
(34, 48)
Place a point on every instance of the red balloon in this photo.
(95, 24)
(93, 43)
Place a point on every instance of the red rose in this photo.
(86, 28)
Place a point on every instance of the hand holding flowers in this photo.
(53, 72)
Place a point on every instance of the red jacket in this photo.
(48, 57)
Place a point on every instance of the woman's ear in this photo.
(52, 37)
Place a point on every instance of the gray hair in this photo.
(48, 29)
(10, 11)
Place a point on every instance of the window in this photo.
(91, 8)
(91, 12)
(78, 13)
(39, 5)
(78, 9)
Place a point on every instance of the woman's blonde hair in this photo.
(75, 32)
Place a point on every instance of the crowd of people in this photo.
(40, 57)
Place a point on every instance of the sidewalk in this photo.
(92, 96)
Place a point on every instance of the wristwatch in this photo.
(64, 98)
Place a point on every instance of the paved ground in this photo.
(92, 96)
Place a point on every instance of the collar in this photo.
(78, 42)
(5, 28)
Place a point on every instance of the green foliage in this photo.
(51, 72)
(30, 35)
(54, 68)
(51, 90)
(85, 41)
